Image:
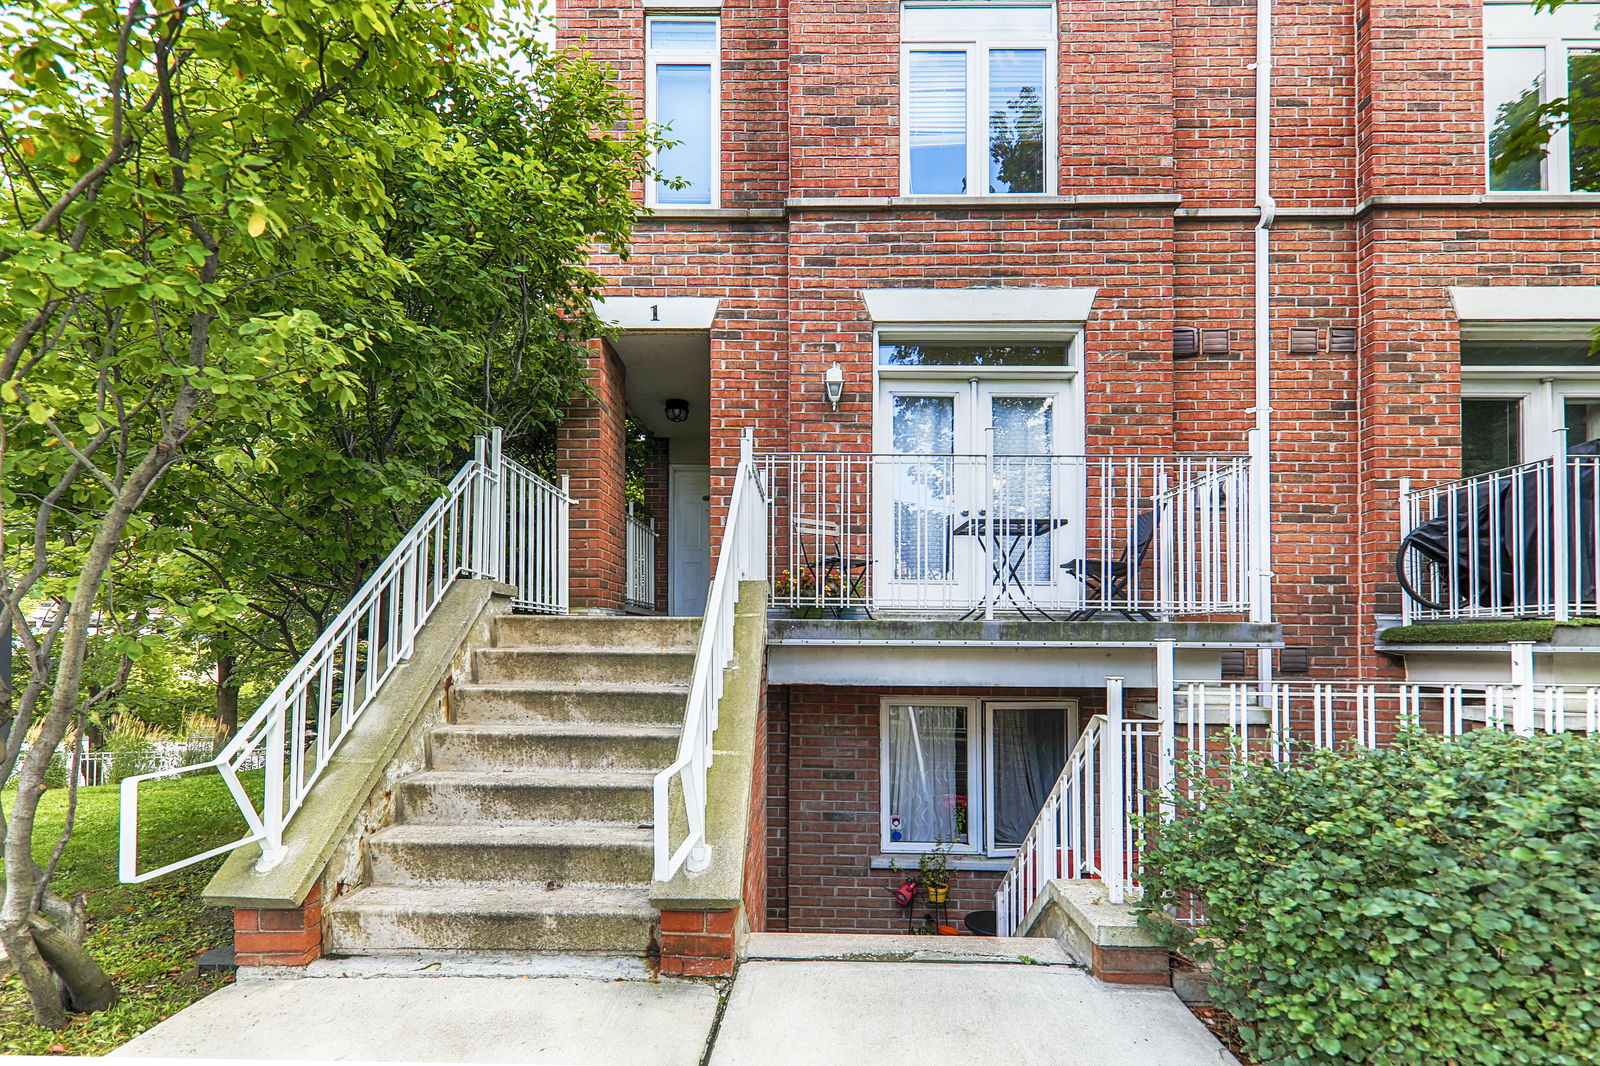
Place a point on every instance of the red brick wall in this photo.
(754, 894)
(591, 447)
(824, 793)
(657, 499)
(291, 937)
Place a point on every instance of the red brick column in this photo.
(697, 943)
(279, 937)
(591, 449)
(657, 494)
(1132, 966)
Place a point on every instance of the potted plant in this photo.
(801, 586)
(934, 871)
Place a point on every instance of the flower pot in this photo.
(938, 893)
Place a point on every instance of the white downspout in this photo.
(1261, 434)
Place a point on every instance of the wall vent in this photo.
(1305, 341)
(1185, 342)
(1216, 341)
(1343, 340)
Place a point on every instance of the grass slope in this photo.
(146, 936)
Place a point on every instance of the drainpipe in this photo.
(1261, 434)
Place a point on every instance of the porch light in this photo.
(833, 380)
(677, 410)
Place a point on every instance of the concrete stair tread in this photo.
(597, 688)
(620, 730)
(500, 900)
(576, 834)
(532, 778)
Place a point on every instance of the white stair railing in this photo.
(496, 520)
(742, 556)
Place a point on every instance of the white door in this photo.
(937, 491)
(689, 540)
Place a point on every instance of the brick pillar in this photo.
(657, 492)
(279, 937)
(591, 449)
(697, 943)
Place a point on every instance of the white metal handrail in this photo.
(640, 563)
(741, 556)
(496, 520)
(1507, 544)
(1089, 825)
(1068, 535)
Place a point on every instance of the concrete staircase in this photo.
(530, 830)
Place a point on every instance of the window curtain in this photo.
(926, 770)
(1029, 751)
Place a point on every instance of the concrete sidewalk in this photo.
(799, 1001)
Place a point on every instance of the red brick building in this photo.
(1003, 291)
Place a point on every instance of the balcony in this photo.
(1053, 538)
(1514, 543)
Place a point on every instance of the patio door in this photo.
(937, 490)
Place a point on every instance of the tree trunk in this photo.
(88, 987)
(227, 699)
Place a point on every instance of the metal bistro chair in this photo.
(1104, 579)
(822, 534)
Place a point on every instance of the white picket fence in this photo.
(497, 520)
(1123, 765)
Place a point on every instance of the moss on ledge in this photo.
(1478, 632)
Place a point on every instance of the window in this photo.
(978, 99)
(1524, 399)
(1532, 59)
(973, 773)
(682, 74)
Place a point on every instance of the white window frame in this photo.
(976, 35)
(1570, 28)
(980, 767)
(655, 57)
(1541, 391)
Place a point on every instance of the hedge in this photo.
(1434, 903)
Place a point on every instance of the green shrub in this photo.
(1436, 903)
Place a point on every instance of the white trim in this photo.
(659, 314)
(1526, 303)
(978, 306)
(654, 57)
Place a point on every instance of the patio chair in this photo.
(828, 541)
(1104, 579)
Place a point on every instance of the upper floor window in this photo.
(977, 98)
(681, 76)
(1533, 59)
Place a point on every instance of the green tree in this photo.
(179, 182)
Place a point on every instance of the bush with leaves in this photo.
(1436, 902)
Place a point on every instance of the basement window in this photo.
(972, 773)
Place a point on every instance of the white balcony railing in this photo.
(1125, 768)
(1520, 542)
(496, 520)
(640, 560)
(1040, 535)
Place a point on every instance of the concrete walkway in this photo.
(797, 1001)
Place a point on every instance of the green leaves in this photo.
(1437, 902)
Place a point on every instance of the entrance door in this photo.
(689, 540)
(937, 490)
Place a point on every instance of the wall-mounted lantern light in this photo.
(833, 380)
(677, 410)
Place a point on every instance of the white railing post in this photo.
(1561, 529)
(498, 508)
(564, 545)
(1167, 715)
(272, 805)
(1112, 871)
(1406, 525)
(1522, 685)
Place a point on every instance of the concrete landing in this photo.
(849, 947)
(450, 1019)
(855, 1014)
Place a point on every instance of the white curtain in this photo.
(1029, 752)
(926, 771)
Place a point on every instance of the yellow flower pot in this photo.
(938, 893)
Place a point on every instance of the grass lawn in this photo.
(146, 936)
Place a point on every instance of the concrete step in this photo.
(411, 854)
(597, 631)
(453, 797)
(640, 704)
(390, 919)
(559, 746)
(602, 665)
